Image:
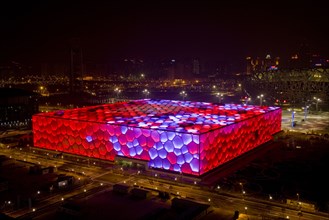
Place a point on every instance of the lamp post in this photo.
(117, 91)
(247, 99)
(242, 190)
(260, 99)
(220, 97)
(183, 94)
(146, 93)
(317, 102)
(305, 111)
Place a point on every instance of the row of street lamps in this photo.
(183, 94)
(220, 97)
(317, 100)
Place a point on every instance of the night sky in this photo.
(40, 31)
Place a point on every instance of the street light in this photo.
(117, 91)
(247, 99)
(146, 92)
(260, 99)
(220, 97)
(317, 102)
(183, 94)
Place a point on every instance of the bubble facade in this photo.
(180, 136)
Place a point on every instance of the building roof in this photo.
(167, 115)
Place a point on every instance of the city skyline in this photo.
(225, 32)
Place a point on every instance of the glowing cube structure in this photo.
(182, 136)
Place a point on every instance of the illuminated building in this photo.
(258, 64)
(181, 136)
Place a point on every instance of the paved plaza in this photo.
(312, 123)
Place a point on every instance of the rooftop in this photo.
(166, 115)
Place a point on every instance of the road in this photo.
(251, 207)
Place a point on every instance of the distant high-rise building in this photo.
(196, 67)
(171, 69)
(168, 68)
(176, 69)
(132, 66)
(76, 67)
(315, 61)
(304, 56)
(318, 61)
(44, 70)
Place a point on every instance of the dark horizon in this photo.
(224, 32)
